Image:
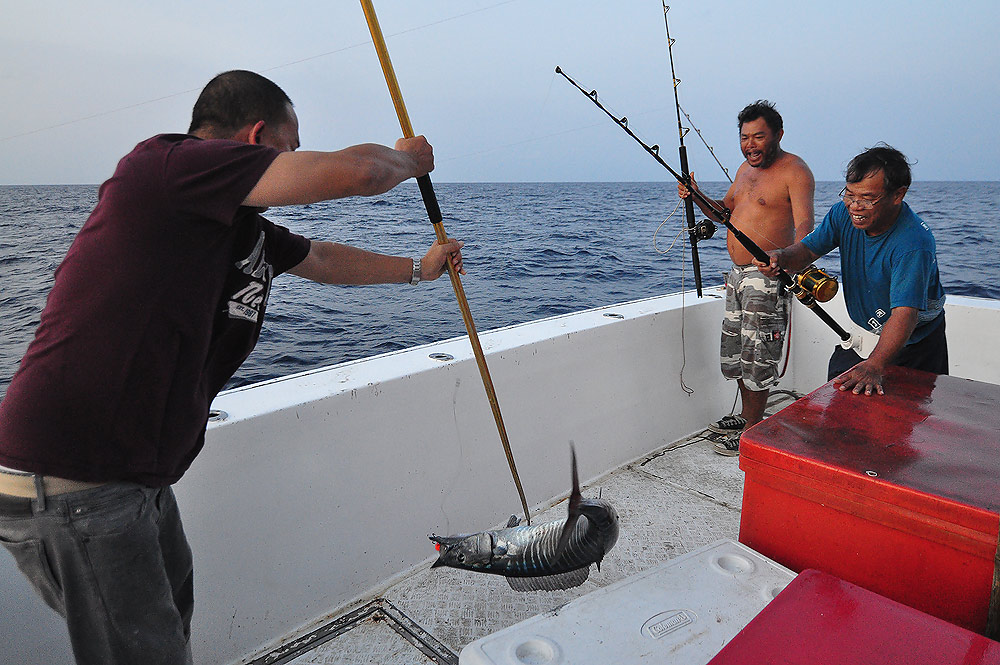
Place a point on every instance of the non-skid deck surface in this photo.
(672, 501)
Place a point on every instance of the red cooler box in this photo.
(821, 619)
(898, 493)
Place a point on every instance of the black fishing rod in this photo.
(804, 295)
(682, 151)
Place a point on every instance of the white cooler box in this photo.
(683, 611)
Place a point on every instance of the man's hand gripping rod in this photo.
(724, 215)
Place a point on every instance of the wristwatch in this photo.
(415, 279)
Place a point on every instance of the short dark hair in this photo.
(236, 98)
(883, 157)
(761, 109)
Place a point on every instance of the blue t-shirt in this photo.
(895, 269)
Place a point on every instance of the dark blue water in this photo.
(532, 250)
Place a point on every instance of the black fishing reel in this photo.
(819, 284)
(703, 230)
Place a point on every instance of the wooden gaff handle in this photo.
(434, 213)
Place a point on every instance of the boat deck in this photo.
(672, 501)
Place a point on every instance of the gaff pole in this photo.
(723, 213)
(434, 214)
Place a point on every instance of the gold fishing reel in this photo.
(820, 285)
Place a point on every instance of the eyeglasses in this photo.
(862, 204)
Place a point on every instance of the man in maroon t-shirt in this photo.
(159, 300)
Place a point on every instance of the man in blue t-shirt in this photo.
(889, 267)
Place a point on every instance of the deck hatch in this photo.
(378, 612)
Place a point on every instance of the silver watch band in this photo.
(415, 278)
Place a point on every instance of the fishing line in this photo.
(531, 139)
(807, 297)
(694, 234)
(689, 202)
(711, 150)
(685, 387)
(515, 143)
(735, 399)
(723, 213)
(395, 34)
(578, 128)
(436, 219)
(682, 152)
(679, 233)
(269, 69)
(545, 102)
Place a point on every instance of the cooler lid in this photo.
(819, 618)
(928, 442)
(679, 612)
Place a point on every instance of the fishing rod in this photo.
(798, 287)
(434, 214)
(682, 150)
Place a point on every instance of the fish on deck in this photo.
(544, 557)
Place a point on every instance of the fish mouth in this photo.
(437, 545)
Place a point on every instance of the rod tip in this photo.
(558, 70)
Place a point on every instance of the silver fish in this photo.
(549, 556)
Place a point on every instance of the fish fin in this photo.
(574, 496)
(513, 521)
(574, 507)
(573, 578)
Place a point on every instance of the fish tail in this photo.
(574, 507)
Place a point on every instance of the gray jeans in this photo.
(114, 562)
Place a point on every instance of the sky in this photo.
(83, 82)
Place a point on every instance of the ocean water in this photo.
(532, 250)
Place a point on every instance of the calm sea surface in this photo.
(532, 250)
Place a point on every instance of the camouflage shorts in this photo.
(753, 332)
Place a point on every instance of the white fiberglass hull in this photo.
(318, 489)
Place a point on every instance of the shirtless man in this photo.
(771, 202)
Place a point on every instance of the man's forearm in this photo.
(894, 335)
(867, 376)
(803, 227)
(795, 257)
(708, 211)
(333, 263)
(307, 177)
